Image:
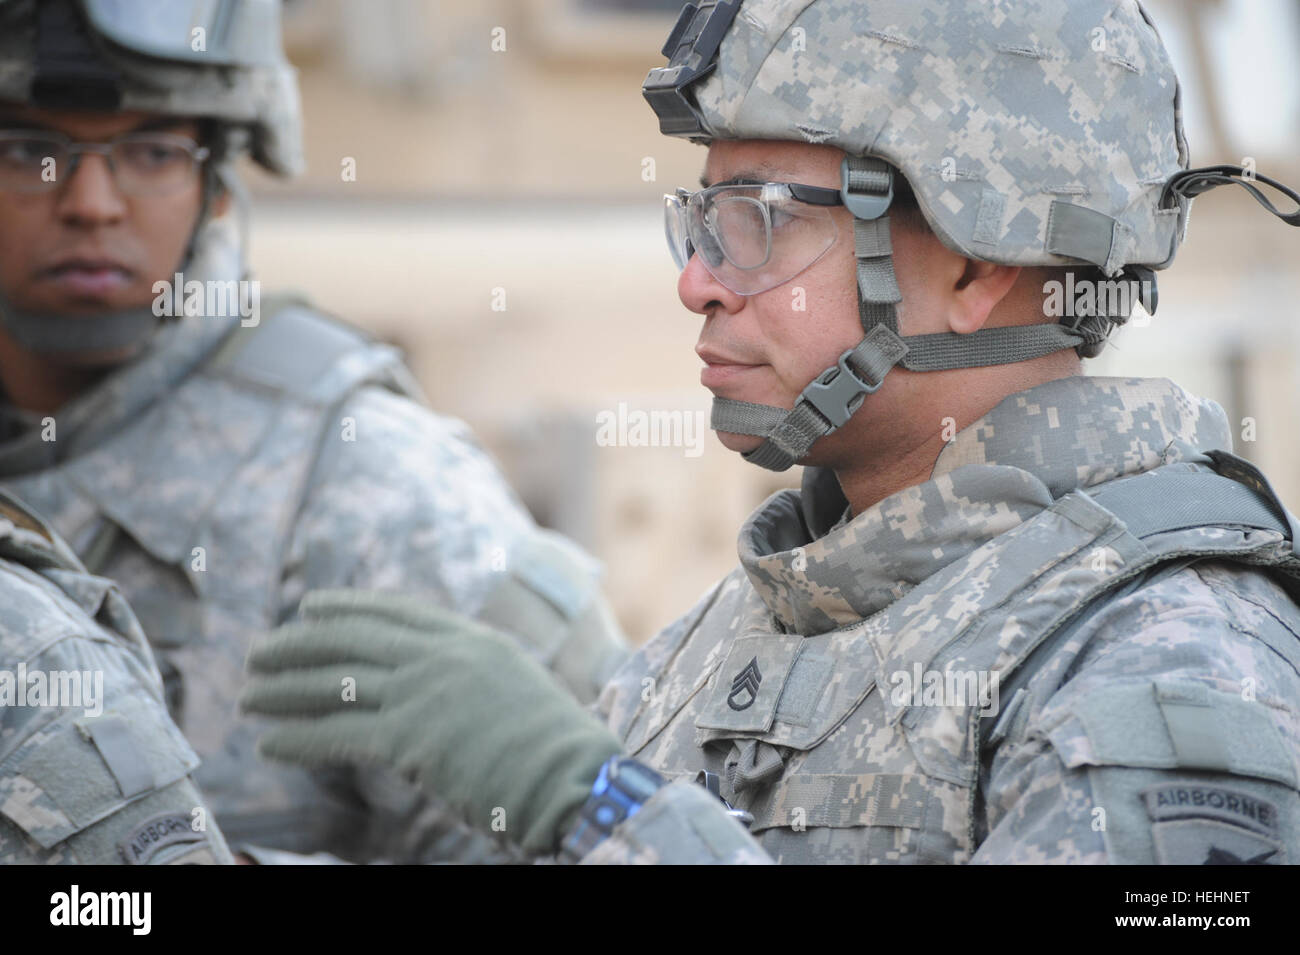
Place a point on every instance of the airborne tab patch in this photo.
(1196, 800)
(154, 834)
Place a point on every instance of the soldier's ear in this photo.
(982, 286)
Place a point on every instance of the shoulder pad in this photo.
(300, 351)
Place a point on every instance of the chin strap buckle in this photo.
(837, 392)
(866, 186)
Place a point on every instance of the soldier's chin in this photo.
(740, 443)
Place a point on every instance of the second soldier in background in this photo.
(220, 464)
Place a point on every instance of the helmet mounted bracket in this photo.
(692, 51)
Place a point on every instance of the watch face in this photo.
(638, 780)
(607, 813)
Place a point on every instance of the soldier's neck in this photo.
(868, 484)
(876, 474)
(39, 384)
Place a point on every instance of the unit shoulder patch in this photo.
(1204, 824)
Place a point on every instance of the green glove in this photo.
(381, 678)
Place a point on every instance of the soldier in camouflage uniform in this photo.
(1014, 614)
(221, 462)
(92, 769)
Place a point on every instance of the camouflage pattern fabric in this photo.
(835, 680)
(216, 499)
(92, 769)
(1001, 115)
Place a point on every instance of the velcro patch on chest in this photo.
(749, 683)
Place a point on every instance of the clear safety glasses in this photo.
(142, 164)
(751, 236)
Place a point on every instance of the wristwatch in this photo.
(621, 789)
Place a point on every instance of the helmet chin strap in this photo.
(63, 333)
(55, 333)
(834, 396)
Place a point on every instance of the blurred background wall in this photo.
(484, 188)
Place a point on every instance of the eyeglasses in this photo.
(142, 164)
(751, 236)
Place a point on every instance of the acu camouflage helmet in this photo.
(1032, 133)
(218, 59)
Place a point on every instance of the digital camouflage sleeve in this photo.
(92, 769)
(1175, 737)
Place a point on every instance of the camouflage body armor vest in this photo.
(777, 716)
(200, 559)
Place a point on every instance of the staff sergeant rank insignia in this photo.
(745, 682)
